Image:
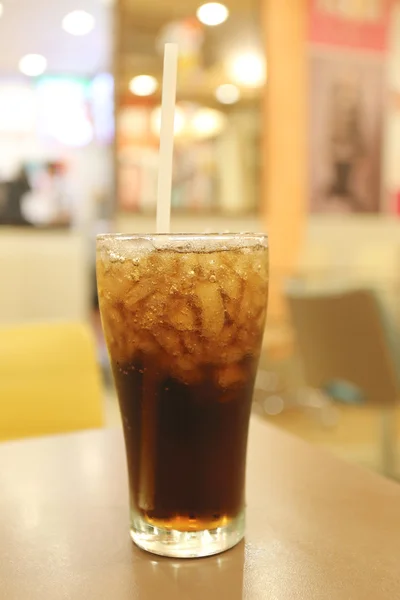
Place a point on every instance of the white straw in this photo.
(167, 138)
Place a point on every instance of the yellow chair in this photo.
(49, 380)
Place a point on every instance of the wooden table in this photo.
(317, 528)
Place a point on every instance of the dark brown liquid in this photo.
(186, 446)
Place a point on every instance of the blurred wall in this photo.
(284, 199)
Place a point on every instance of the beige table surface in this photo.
(317, 528)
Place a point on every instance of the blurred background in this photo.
(287, 119)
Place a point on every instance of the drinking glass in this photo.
(183, 317)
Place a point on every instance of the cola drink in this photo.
(183, 318)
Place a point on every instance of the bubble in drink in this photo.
(184, 320)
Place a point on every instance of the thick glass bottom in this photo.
(186, 544)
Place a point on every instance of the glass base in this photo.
(186, 544)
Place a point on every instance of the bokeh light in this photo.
(78, 22)
(212, 13)
(32, 65)
(227, 93)
(248, 69)
(143, 85)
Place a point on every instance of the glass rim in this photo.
(243, 235)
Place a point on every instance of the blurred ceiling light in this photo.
(1, 9)
(248, 69)
(32, 64)
(78, 22)
(212, 13)
(208, 122)
(227, 93)
(179, 121)
(143, 85)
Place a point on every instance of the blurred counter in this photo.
(44, 274)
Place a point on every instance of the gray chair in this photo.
(348, 348)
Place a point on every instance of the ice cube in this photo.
(230, 282)
(243, 263)
(212, 308)
(231, 376)
(187, 369)
(114, 283)
(192, 342)
(140, 290)
(227, 334)
(181, 315)
(231, 353)
(209, 264)
(231, 308)
(169, 340)
(189, 264)
(112, 317)
(252, 304)
(249, 339)
(146, 343)
(161, 263)
(151, 310)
